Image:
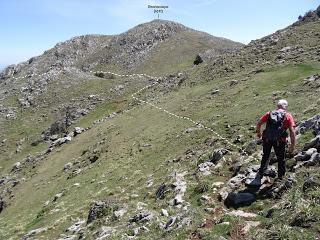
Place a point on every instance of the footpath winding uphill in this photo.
(109, 153)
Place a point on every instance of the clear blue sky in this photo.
(28, 27)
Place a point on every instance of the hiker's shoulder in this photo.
(289, 115)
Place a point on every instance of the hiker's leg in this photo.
(280, 150)
(265, 157)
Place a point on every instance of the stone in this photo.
(67, 166)
(119, 213)
(305, 155)
(233, 82)
(34, 232)
(98, 210)
(76, 227)
(61, 141)
(286, 49)
(16, 166)
(240, 213)
(170, 222)
(142, 217)
(314, 160)
(215, 91)
(303, 220)
(277, 191)
(217, 184)
(240, 199)
(217, 155)
(57, 196)
(204, 168)
(223, 194)
(198, 60)
(239, 139)
(313, 143)
(160, 191)
(236, 181)
(249, 225)
(105, 232)
(251, 147)
(209, 210)
(310, 183)
(180, 187)
(164, 213)
(78, 130)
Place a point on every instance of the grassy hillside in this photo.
(121, 162)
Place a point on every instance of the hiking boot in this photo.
(256, 182)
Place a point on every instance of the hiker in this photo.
(275, 135)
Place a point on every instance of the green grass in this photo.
(125, 166)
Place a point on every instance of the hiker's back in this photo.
(275, 130)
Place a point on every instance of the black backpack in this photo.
(274, 129)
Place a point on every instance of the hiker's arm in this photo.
(259, 124)
(292, 139)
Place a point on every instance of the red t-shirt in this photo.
(287, 122)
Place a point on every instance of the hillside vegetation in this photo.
(82, 159)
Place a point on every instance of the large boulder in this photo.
(236, 200)
(305, 155)
(313, 143)
(98, 210)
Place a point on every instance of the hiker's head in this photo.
(283, 104)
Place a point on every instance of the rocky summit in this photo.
(150, 134)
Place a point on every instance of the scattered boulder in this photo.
(67, 166)
(57, 196)
(164, 213)
(313, 143)
(204, 168)
(314, 160)
(277, 191)
(16, 167)
(61, 141)
(78, 130)
(119, 213)
(310, 183)
(303, 220)
(141, 217)
(105, 232)
(33, 232)
(170, 222)
(240, 213)
(198, 60)
(180, 187)
(241, 199)
(217, 155)
(215, 91)
(249, 225)
(161, 190)
(76, 227)
(305, 155)
(98, 210)
(251, 147)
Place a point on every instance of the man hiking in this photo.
(275, 136)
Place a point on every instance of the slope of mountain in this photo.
(40, 98)
(139, 172)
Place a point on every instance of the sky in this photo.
(29, 27)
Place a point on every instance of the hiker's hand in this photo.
(291, 149)
(259, 135)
